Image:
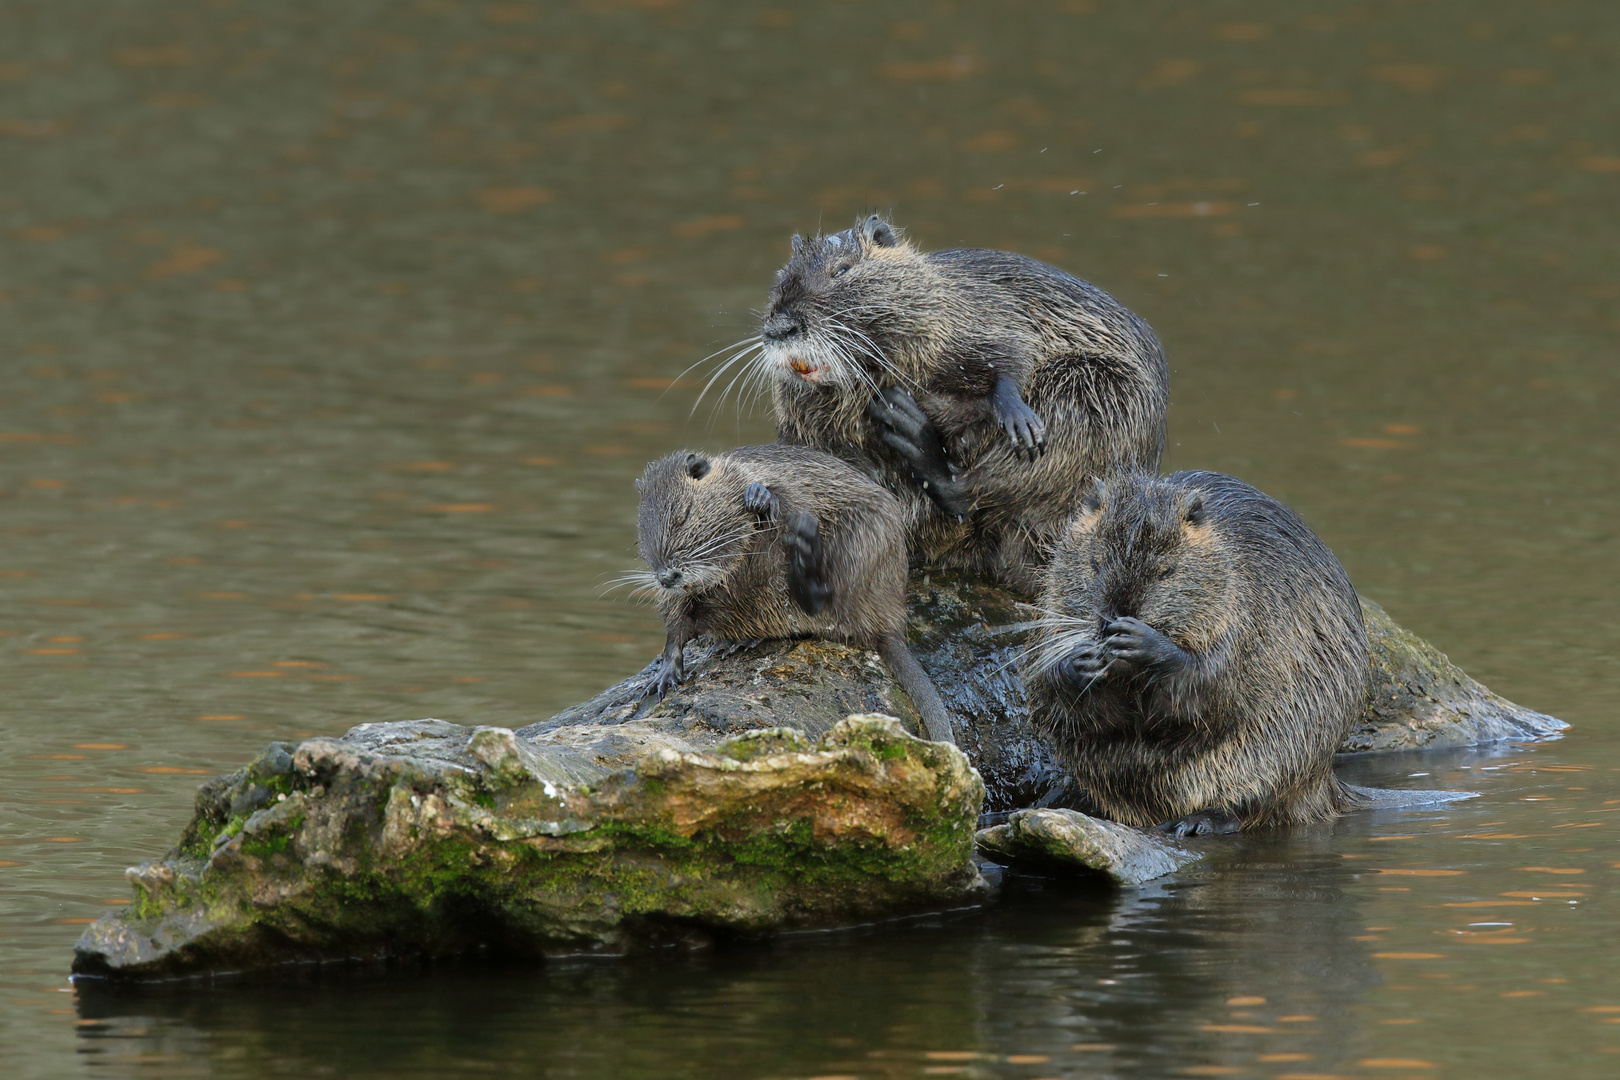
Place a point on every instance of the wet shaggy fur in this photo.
(778, 542)
(1200, 651)
(859, 312)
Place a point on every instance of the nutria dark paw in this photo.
(1083, 666)
(760, 501)
(728, 649)
(671, 671)
(1025, 430)
(901, 416)
(906, 429)
(1139, 647)
(1202, 823)
(806, 574)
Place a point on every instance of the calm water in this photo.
(335, 333)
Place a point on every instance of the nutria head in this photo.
(692, 527)
(1140, 546)
(841, 308)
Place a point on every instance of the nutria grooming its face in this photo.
(778, 542)
(983, 388)
(1117, 568)
(691, 536)
(1199, 657)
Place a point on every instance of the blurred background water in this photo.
(334, 334)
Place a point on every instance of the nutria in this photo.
(983, 387)
(1199, 657)
(778, 542)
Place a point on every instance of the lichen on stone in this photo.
(472, 840)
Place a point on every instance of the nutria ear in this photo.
(697, 466)
(1092, 500)
(877, 233)
(1193, 512)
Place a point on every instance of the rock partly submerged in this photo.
(430, 837)
(1066, 841)
(767, 793)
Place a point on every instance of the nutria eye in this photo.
(841, 271)
(1165, 572)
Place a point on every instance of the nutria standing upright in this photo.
(983, 387)
(779, 542)
(1199, 658)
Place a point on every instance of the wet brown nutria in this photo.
(1199, 658)
(778, 542)
(983, 387)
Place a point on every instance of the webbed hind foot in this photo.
(1202, 823)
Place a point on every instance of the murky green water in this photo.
(334, 333)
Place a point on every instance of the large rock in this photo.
(430, 838)
(744, 801)
(1421, 699)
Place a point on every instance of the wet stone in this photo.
(428, 838)
(1067, 841)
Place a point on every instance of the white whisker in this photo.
(1068, 634)
(740, 355)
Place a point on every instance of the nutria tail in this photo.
(1350, 797)
(918, 686)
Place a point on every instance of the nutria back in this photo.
(1261, 672)
(858, 313)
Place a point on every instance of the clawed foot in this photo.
(806, 577)
(1202, 823)
(1025, 430)
(671, 670)
(1136, 646)
(731, 648)
(906, 429)
(761, 501)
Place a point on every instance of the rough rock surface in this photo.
(430, 838)
(967, 634)
(1421, 699)
(743, 801)
(1066, 840)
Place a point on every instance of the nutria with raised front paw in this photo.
(983, 387)
(778, 542)
(1200, 656)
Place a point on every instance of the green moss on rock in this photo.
(371, 852)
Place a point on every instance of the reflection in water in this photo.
(335, 335)
(1141, 978)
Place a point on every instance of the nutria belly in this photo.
(1146, 775)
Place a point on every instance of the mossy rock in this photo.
(427, 838)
